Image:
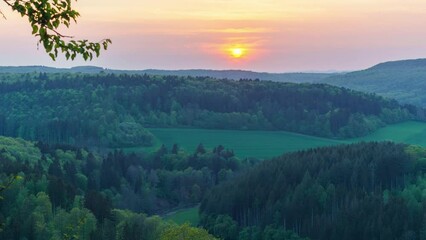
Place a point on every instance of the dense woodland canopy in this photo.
(64, 191)
(114, 110)
(360, 191)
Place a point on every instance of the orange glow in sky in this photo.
(273, 35)
(237, 52)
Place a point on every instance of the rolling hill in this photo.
(45, 69)
(404, 81)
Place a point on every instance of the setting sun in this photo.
(237, 52)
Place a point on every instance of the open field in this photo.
(187, 215)
(260, 144)
(264, 144)
(407, 132)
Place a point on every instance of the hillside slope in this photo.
(404, 81)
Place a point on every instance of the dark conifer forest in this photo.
(361, 191)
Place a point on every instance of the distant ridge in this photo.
(403, 80)
(229, 74)
(45, 69)
(241, 74)
(413, 63)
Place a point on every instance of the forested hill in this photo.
(113, 110)
(229, 74)
(355, 192)
(401, 65)
(404, 81)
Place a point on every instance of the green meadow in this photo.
(265, 144)
(187, 215)
(407, 132)
(259, 144)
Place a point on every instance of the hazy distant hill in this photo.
(240, 74)
(229, 74)
(401, 80)
(44, 69)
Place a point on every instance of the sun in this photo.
(237, 52)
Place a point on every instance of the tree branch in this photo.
(2, 14)
(46, 17)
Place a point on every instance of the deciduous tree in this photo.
(46, 17)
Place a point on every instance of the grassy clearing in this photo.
(188, 215)
(265, 144)
(260, 144)
(407, 132)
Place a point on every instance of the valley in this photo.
(159, 144)
(212, 120)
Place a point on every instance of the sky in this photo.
(270, 35)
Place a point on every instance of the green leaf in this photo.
(42, 32)
(47, 45)
(52, 56)
(35, 29)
